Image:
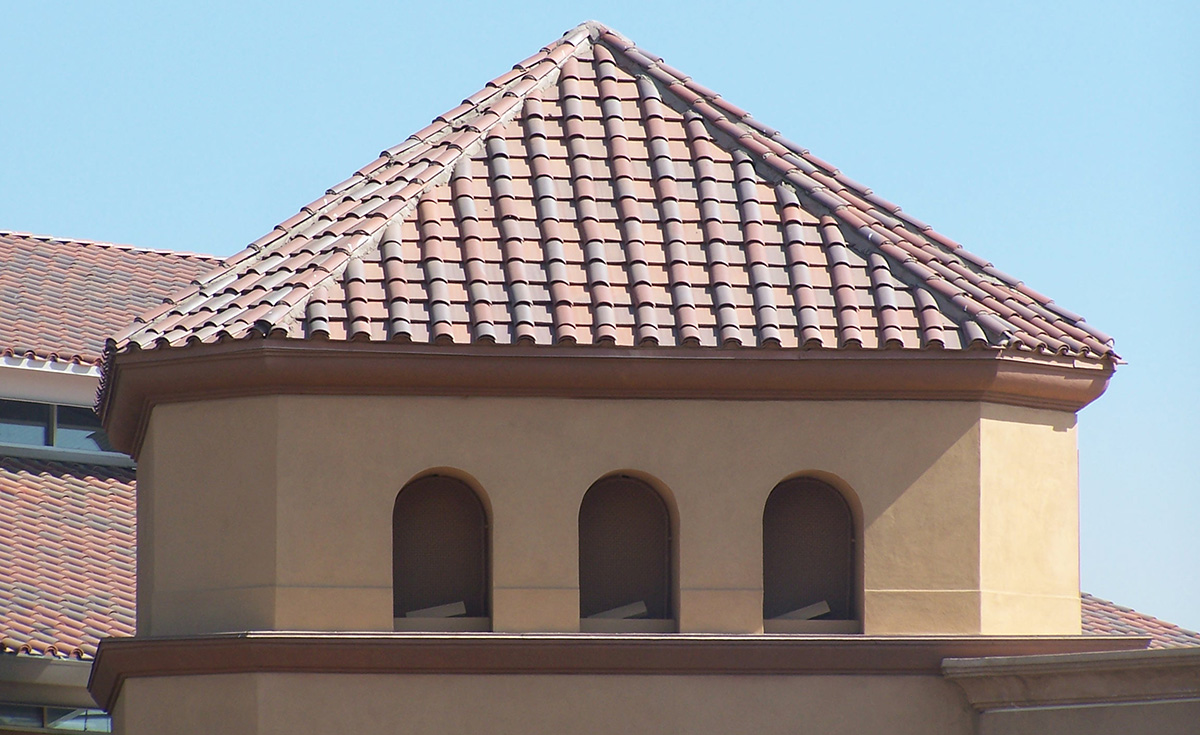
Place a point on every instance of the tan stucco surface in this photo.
(227, 704)
(1029, 519)
(275, 512)
(499, 704)
(1146, 691)
(1159, 718)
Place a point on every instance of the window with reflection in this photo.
(42, 718)
(440, 557)
(624, 558)
(79, 428)
(25, 423)
(808, 559)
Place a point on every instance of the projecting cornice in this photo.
(1111, 677)
(120, 659)
(137, 381)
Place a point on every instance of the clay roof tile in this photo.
(626, 205)
(67, 549)
(1102, 617)
(50, 303)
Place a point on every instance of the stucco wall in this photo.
(275, 513)
(499, 704)
(1159, 718)
(1029, 520)
(207, 518)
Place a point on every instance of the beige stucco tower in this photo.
(595, 357)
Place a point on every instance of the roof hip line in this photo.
(779, 158)
(666, 192)
(620, 163)
(604, 324)
(626, 261)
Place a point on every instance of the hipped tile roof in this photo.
(67, 556)
(60, 299)
(596, 195)
(1102, 617)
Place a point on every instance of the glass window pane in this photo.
(78, 720)
(20, 715)
(24, 423)
(79, 428)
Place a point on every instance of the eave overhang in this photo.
(45, 680)
(137, 381)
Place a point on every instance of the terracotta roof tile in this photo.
(1101, 617)
(596, 195)
(67, 548)
(60, 299)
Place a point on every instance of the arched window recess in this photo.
(440, 579)
(810, 580)
(625, 559)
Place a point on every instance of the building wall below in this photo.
(1159, 718)
(276, 704)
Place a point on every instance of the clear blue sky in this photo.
(1060, 140)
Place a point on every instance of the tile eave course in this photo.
(954, 293)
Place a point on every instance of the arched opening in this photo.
(809, 582)
(624, 558)
(440, 557)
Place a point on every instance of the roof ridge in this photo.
(459, 130)
(105, 244)
(802, 171)
(441, 130)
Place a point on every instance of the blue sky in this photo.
(1060, 140)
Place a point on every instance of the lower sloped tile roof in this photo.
(60, 298)
(1102, 617)
(67, 556)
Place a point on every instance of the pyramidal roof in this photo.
(594, 195)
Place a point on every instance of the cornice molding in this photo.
(139, 380)
(1112, 677)
(119, 659)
